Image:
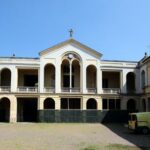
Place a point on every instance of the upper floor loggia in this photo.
(68, 67)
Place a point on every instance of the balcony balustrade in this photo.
(70, 90)
(27, 89)
(91, 90)
(111, 91)
(4, 88)
(49, 89)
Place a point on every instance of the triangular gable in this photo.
(74, 43)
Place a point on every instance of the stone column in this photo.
(13, 109)
(83, 80)
(123, 105)
(41, 103)
(99, 103)
(41, 78)
(99, 80)
(58, 76)
(14, 79)
(123, 81)
(84, 101)
(57, 103)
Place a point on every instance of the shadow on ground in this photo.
(140, 140)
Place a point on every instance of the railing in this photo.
(91, 90)
(4, 88)
(49, 89)
(111, 90)
(70, 90)
(27, 89)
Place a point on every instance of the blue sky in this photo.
(119, 29)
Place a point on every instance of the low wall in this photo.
(83, 116)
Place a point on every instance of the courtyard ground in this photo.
(71, 136)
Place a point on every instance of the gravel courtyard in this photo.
(39, 136)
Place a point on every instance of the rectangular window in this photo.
(74, 103)
(64, 103)
(118, 104)
(105, 104)
(111, 103)
(70, 103)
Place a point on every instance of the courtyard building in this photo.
(71, 76)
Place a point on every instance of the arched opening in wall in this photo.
(49, 77)
(130, 82)
(5, 79)
(75, 76)
(143, 78)
(91, 104)
(49, 103)
(65, 74)
(131, 105)
(91, 78)
(143, 105)
(4, 110)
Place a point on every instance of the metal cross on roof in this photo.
(71, 33)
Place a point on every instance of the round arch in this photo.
(4, 109)
(91, 77)
(91, 104)
(49, 103)
(131, 105)
(130, 82)
(49, 75)
(142, 78)
(72, 54)
(5, 79)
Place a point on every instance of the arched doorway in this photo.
(91, 78)
(5, 79)
(143, 78)
(70, 73)
(65, 72)
(76, 75)
(130, 82)
(91, 104)
(49, 103)
(131, 105)
(4, 110)
(49, 77)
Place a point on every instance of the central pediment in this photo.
(73, 43)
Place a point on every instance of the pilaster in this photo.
(14, 79)
(58, 77)
(13, 109)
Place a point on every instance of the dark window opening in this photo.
(105, 104)
(70, 103)
(91, 104)
(30, 80)
(27, 109)
(111, 104)
(66, 81)
(4, 110)
(118, 104)
(105, 83)
(49, 104)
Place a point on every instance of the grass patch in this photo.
(121, 147)
(91, 147)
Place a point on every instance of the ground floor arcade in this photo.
(24, 108)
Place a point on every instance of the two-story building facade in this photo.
(70, 76)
